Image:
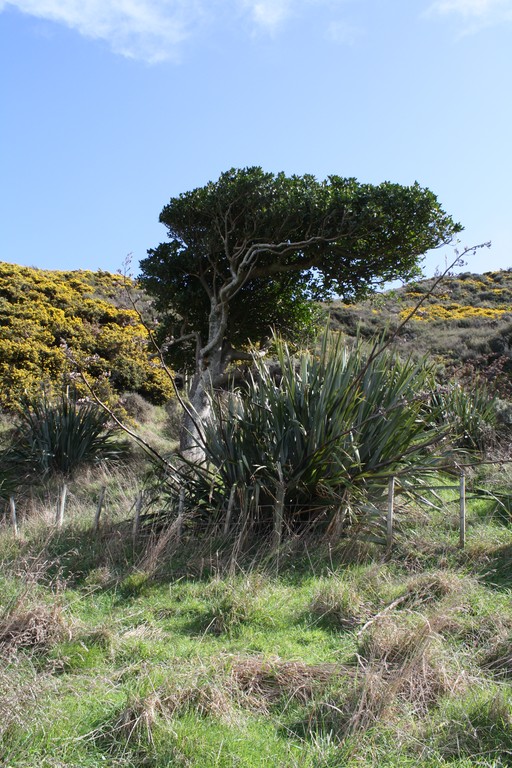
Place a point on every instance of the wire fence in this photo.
(385, 510)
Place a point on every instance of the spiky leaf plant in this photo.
(471, 413)
(59, 435)
(315, 442)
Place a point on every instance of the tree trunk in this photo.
(210, 367)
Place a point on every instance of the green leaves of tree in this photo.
(268, 244)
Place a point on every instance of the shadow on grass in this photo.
(498, 571)
(82, 557)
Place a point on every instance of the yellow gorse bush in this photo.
(464, 297)
(455, 312)
(43, 311)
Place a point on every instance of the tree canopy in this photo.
(251, 252)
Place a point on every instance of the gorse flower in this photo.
(43, 311)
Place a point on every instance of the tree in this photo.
(254, 250)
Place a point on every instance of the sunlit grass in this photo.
(322, 657)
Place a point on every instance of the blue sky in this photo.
(110, 107)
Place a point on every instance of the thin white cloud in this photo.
(146, 29)
(153, 30)
(343, 33)
(269, 14)
(475, 13)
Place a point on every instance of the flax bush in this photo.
(58, 436)
(472, 415)
(319, 439)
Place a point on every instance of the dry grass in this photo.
(480, 726)
(194, 689)
(365, 701)
(400, 671)
(476, 631)
(339, 604)
(37, 629)
(498, 659)
(134, 725)
(265, 682)
(393, 642)
(205, 698)
(20, 690)
(250, 682)
(403, 661)
(432, 587)
(224, 690)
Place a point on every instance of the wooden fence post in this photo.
(181, 514)
(61, 506)
(98, 510)
(12, 507)
(229, 512)
(279, 507)
(462, 511)
(136, 517)
(390, 514)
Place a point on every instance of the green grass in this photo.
(313, 660)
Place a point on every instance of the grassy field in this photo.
(315, 656)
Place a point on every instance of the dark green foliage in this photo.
(471, 414)
(284, 303)
(268, 244)
(329, 428)
(59, 436)
(8, 481)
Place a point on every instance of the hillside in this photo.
(193, 637)
(465, 324)
(41, 311)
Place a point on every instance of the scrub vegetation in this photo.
(42, 312)
(222, 632)
(465, 325)
(314, 655)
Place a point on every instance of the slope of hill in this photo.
(465, 323)
(125, 649)
(42, 311)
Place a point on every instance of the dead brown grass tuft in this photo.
(264, 682)
(400, 670)
(339, 604)
(134, 725)
(347, 712)
(37, 628)
(400, 662)
(425, 680)
(394, 642)
(205, 698)
(432, 587)
(224, 691)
